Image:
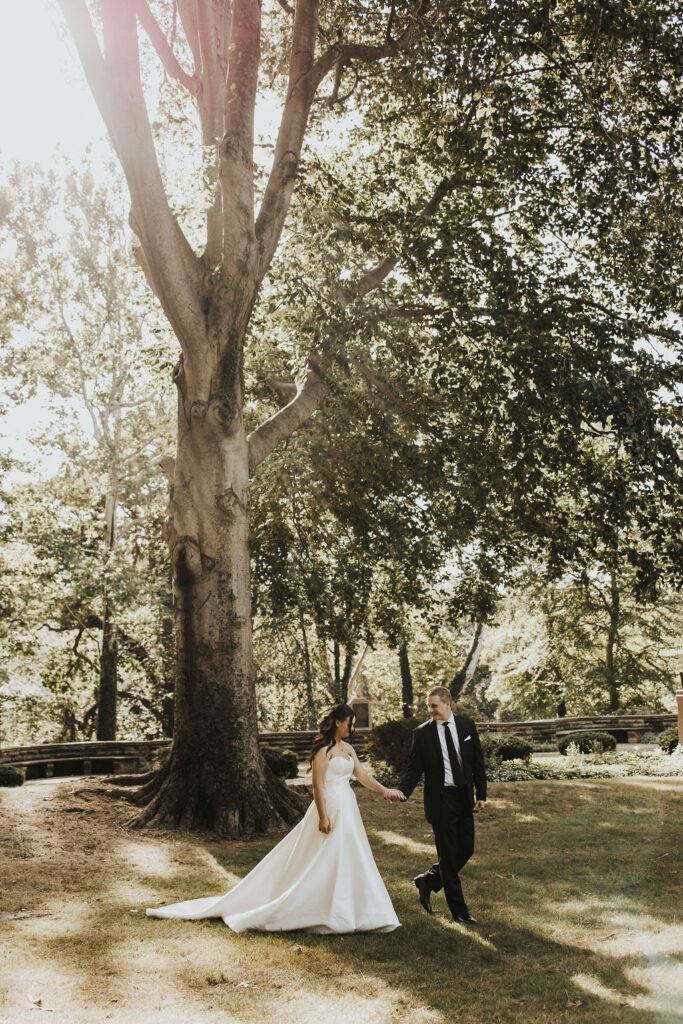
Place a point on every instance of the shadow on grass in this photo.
(573, 885)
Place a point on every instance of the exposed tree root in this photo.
(137, 779)
(175, 800)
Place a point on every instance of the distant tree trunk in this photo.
(342, 676)
(311, 716)
(612, 635)
(107, 696)
(406, 681)
(463, 676)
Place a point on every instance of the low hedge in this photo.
(502, 746)
(282, 762)
(592, 766)
(588, 742)
(11, 776)
(668, 739)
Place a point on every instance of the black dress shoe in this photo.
(464, 918)
(424, 891)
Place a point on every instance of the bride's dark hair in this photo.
(327, 728)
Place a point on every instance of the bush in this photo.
(504, 746)
(11, 776)
(588, 742)
(283, 763)
(592, 766)
(390, 741)
(668, 739)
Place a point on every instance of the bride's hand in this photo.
(324, 825)
(393, 795)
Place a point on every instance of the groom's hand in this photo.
(479, 806)
(395, 796)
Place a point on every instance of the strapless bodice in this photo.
(339, 769)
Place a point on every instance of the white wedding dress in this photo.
(310, 881)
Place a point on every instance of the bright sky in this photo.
(46, 102)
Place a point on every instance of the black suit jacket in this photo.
(426, 758)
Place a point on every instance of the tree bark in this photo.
(342, 676)
(311, 716)
(463, 676)
(215, 777)
(107, 695)
(406, 681)
(612, 635)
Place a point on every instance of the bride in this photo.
(322, 876)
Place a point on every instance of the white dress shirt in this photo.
(450, 724)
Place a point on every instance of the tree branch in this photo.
(237, 146)
(117, 88)
(373, 277)
(163, 48)
(309, 396)
(379, 385)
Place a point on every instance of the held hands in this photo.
(393, 795)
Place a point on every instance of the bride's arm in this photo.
(368, 780)
(319, 769)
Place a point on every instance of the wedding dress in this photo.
(311, 881)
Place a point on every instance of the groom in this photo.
(447, 752)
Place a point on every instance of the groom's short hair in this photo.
(441, 692)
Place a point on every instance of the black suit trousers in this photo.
(454, 838)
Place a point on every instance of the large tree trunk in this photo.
(107, 695)
(215, 777)
(406, 681)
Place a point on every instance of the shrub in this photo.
(390, 741)
(283, 763)
(504, 746)
(11, 776)
(592, 766)
(588, 742)
(668, 739)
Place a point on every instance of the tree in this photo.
(555, 651)
(78, 326)
(477, 133)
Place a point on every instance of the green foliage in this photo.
(11, 776)
(390, 741)
(505, 746)
(79, 328)
(588, 742)
(668, 739)
(597, 766)
(282, 762)
(546, 650)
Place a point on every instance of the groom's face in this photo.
(439, 709)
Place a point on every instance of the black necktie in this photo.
(456, 770)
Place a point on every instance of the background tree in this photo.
(506, 175)
(79, 334)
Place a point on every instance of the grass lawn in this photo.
(577, 887)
